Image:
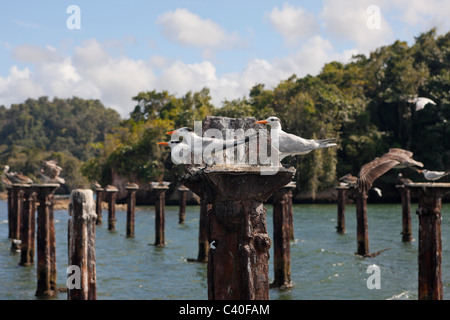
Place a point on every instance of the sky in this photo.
(112, 50)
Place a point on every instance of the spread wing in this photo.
(372, 170)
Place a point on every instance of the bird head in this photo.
(181, 131)
(273, 121)
(171, 143)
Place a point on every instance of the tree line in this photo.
(363, 103)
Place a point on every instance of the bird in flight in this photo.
(421, 102)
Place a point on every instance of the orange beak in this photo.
(163, 143)
(170, 132)
(262, 122)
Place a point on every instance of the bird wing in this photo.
(401, 151)
(372, 170)
(292, 144)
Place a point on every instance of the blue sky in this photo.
(124, 47)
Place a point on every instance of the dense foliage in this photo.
(363, 103)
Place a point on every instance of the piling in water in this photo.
(82, 284)
(203, 243)
(182, 213)
(46, 245)
(160, 207)
(281, 237)
(10, 210)
(111, 195)
(406, 213)
(342, 197)
(362, 229)
(27, 232)
(430, 242)
(98, 204)
(17, 208)
(131, 209)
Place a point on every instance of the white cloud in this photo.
(347, 21)
(189, 29)
(293, 23)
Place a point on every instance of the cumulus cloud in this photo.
(189, 29)
(348, 22)
(293, 23)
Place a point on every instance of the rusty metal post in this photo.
(406, 213)
(361, 224)
(160, 207)
(342, 196)
(111, 195)
(82, 285)
(430, 242)
(10, 210)
(291, 186)
(18, 190)
(182, 213)
(238, 259)
(281, 239)
(131, 209)
(27, 232)
(98, 204)
(46, 245)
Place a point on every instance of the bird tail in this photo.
(325, 143)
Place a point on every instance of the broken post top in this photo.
(82, 199)
(430, 188)
(161, 185)
(110, 188)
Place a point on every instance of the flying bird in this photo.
(433, 175)
(292, 145)
(16, 177)
(50, 171)
(348, 180)
(421, 102)
(395, 159)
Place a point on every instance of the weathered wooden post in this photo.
(82, 284)
(160, 207)
(281, 237)
(10, 210)
(406, 213)
(182, 213)
(362, 228)
(342, 197)
(131, 209)
(111, 192)
(18, 191)
(430, 242)
(98, 204)
(46, 246)
(291, 210)
(27, 232)
(203, 243)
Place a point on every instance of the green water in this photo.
(323, 263)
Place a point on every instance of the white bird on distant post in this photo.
(421, 102)
(433, 175)
(292, 145)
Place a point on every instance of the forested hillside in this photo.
(363, 103)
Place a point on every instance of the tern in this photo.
(421, 102)
(292, 145)
(395, 159)
(181, 154)
(50, 171)
(433, 175)
(16, 177)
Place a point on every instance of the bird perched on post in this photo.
(433, 175)
(292, 145)
(5, 180)
(50, 172)
(16, 177)
(402, 180)
(348, 180)
(181, 154)
(421, 102)
(395, 159)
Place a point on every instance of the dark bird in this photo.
(348, 180)
(95, 185)
(131, 185)
(50, 172)
(395, 159)
(5, 180)
(402, 180)
(16, 177)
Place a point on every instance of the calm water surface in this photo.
(323, 263)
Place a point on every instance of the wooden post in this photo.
(98, 204)
(430, 242)
(406, 213)
(18, 190)
(112, 195)
(182, 214)
(27, 232)
(281, 238)
(131, 208)
(46, 246)
(361, 224)
(291, 211)
(160, 204)
(10, 210)
(203, 244)
(342, 197)
(238, 260)
(82, 285)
